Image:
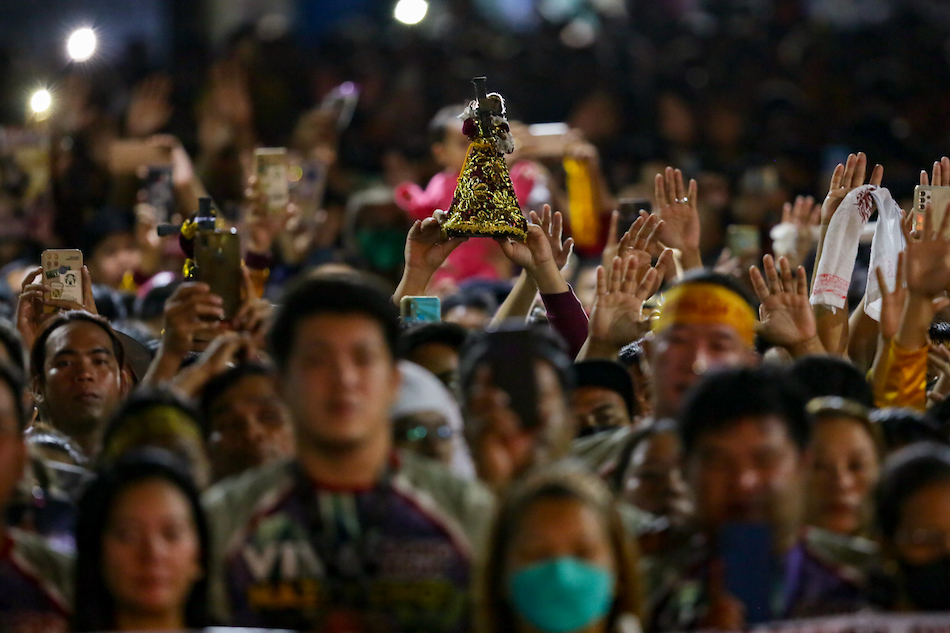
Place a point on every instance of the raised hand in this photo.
(553, 226)
(426, 246)
(927, 259)
(803, 213)
(786, 315)
(892, 301)
(34, 297)
(676, 206)
(616, 316)
(941, 174)
(845, 178)
(150, 108)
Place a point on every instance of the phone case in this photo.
(746, 552)
(272, 177)
(937, 198)
(62, 272)
(415, 310)
(218, 264)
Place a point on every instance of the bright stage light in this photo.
(81, 45)
(41, 101)
(411, 11)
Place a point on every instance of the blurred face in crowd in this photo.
(250, 426)
(82, 382)
(684, 352)
(843, 472)
(150, 550)
(923, 531)
(440, 359)
(597, 408)
(749, 470)
(502, 447)
(450, 153)
(13, 453)
(340, 382)
(469, 317)
(654, 479)
(113, 257)
(427, 433)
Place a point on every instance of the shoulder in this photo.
(231, 503)
(467, 503)
(50, 569)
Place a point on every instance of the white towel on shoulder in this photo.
(833, 275)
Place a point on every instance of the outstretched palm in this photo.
(616, 315)
(786, 316)
(426, 247)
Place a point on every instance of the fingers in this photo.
(945, 171)
(758, 284)
(659, 191)
(877, 175)
(601, 281)
(648, 285)
(771, 275)
(615, 282)
(787, 212)
(849, 167)
(678, 180)
(692, 192)
(557, 224)
(664, 265)
(788, 281)
(612, 230)
(837, 177)
(924, 180)
(860, 169)
(802, 281)
(31, 277)
(945, 222)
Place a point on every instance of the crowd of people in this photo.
(616, 424)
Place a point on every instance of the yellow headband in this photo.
(160, 421)
(705, 303)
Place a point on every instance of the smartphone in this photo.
(271, 167)
(160, 191)
(218, 264)
(415, 310)
(341, 101)
(130, 156)
(745, 549)
(937, 198)
(62, 272)
(743, 240)
(547, 140)
(629, 212)
(511, 359)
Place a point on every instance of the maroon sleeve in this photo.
(567, 317)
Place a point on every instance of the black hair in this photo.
(940, 332)
(152, 305)
(143, 399)
(724, 397)
(12, 342)
(632, 353)
(442, 120)
(901, 426)
(332, 294)
(38, 352)
(451, 334)
(607, 374)
(222, 382)
(703, 276)
(475, 298)
(904, 474)
(543, 343)
(95, 607)
(13, 378)
(831, 376)
(104, 223)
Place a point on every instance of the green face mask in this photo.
(382, 248)
(559, 595)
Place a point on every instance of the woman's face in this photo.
(923, 532)
(655, 481)
(151, 549)
(555, 528)
(843, 472)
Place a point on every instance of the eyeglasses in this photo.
(419, 433)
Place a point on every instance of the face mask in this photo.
(928, 585)
(382, 248)
(559, 595)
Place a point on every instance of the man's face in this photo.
(598, 408)
(440, 359)
(113, 257)
(82, 383)
(502, 447)
(250, 426)
(12, 448)
(340, 381)
(750, 470)
(450, 153)
(683, 353)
